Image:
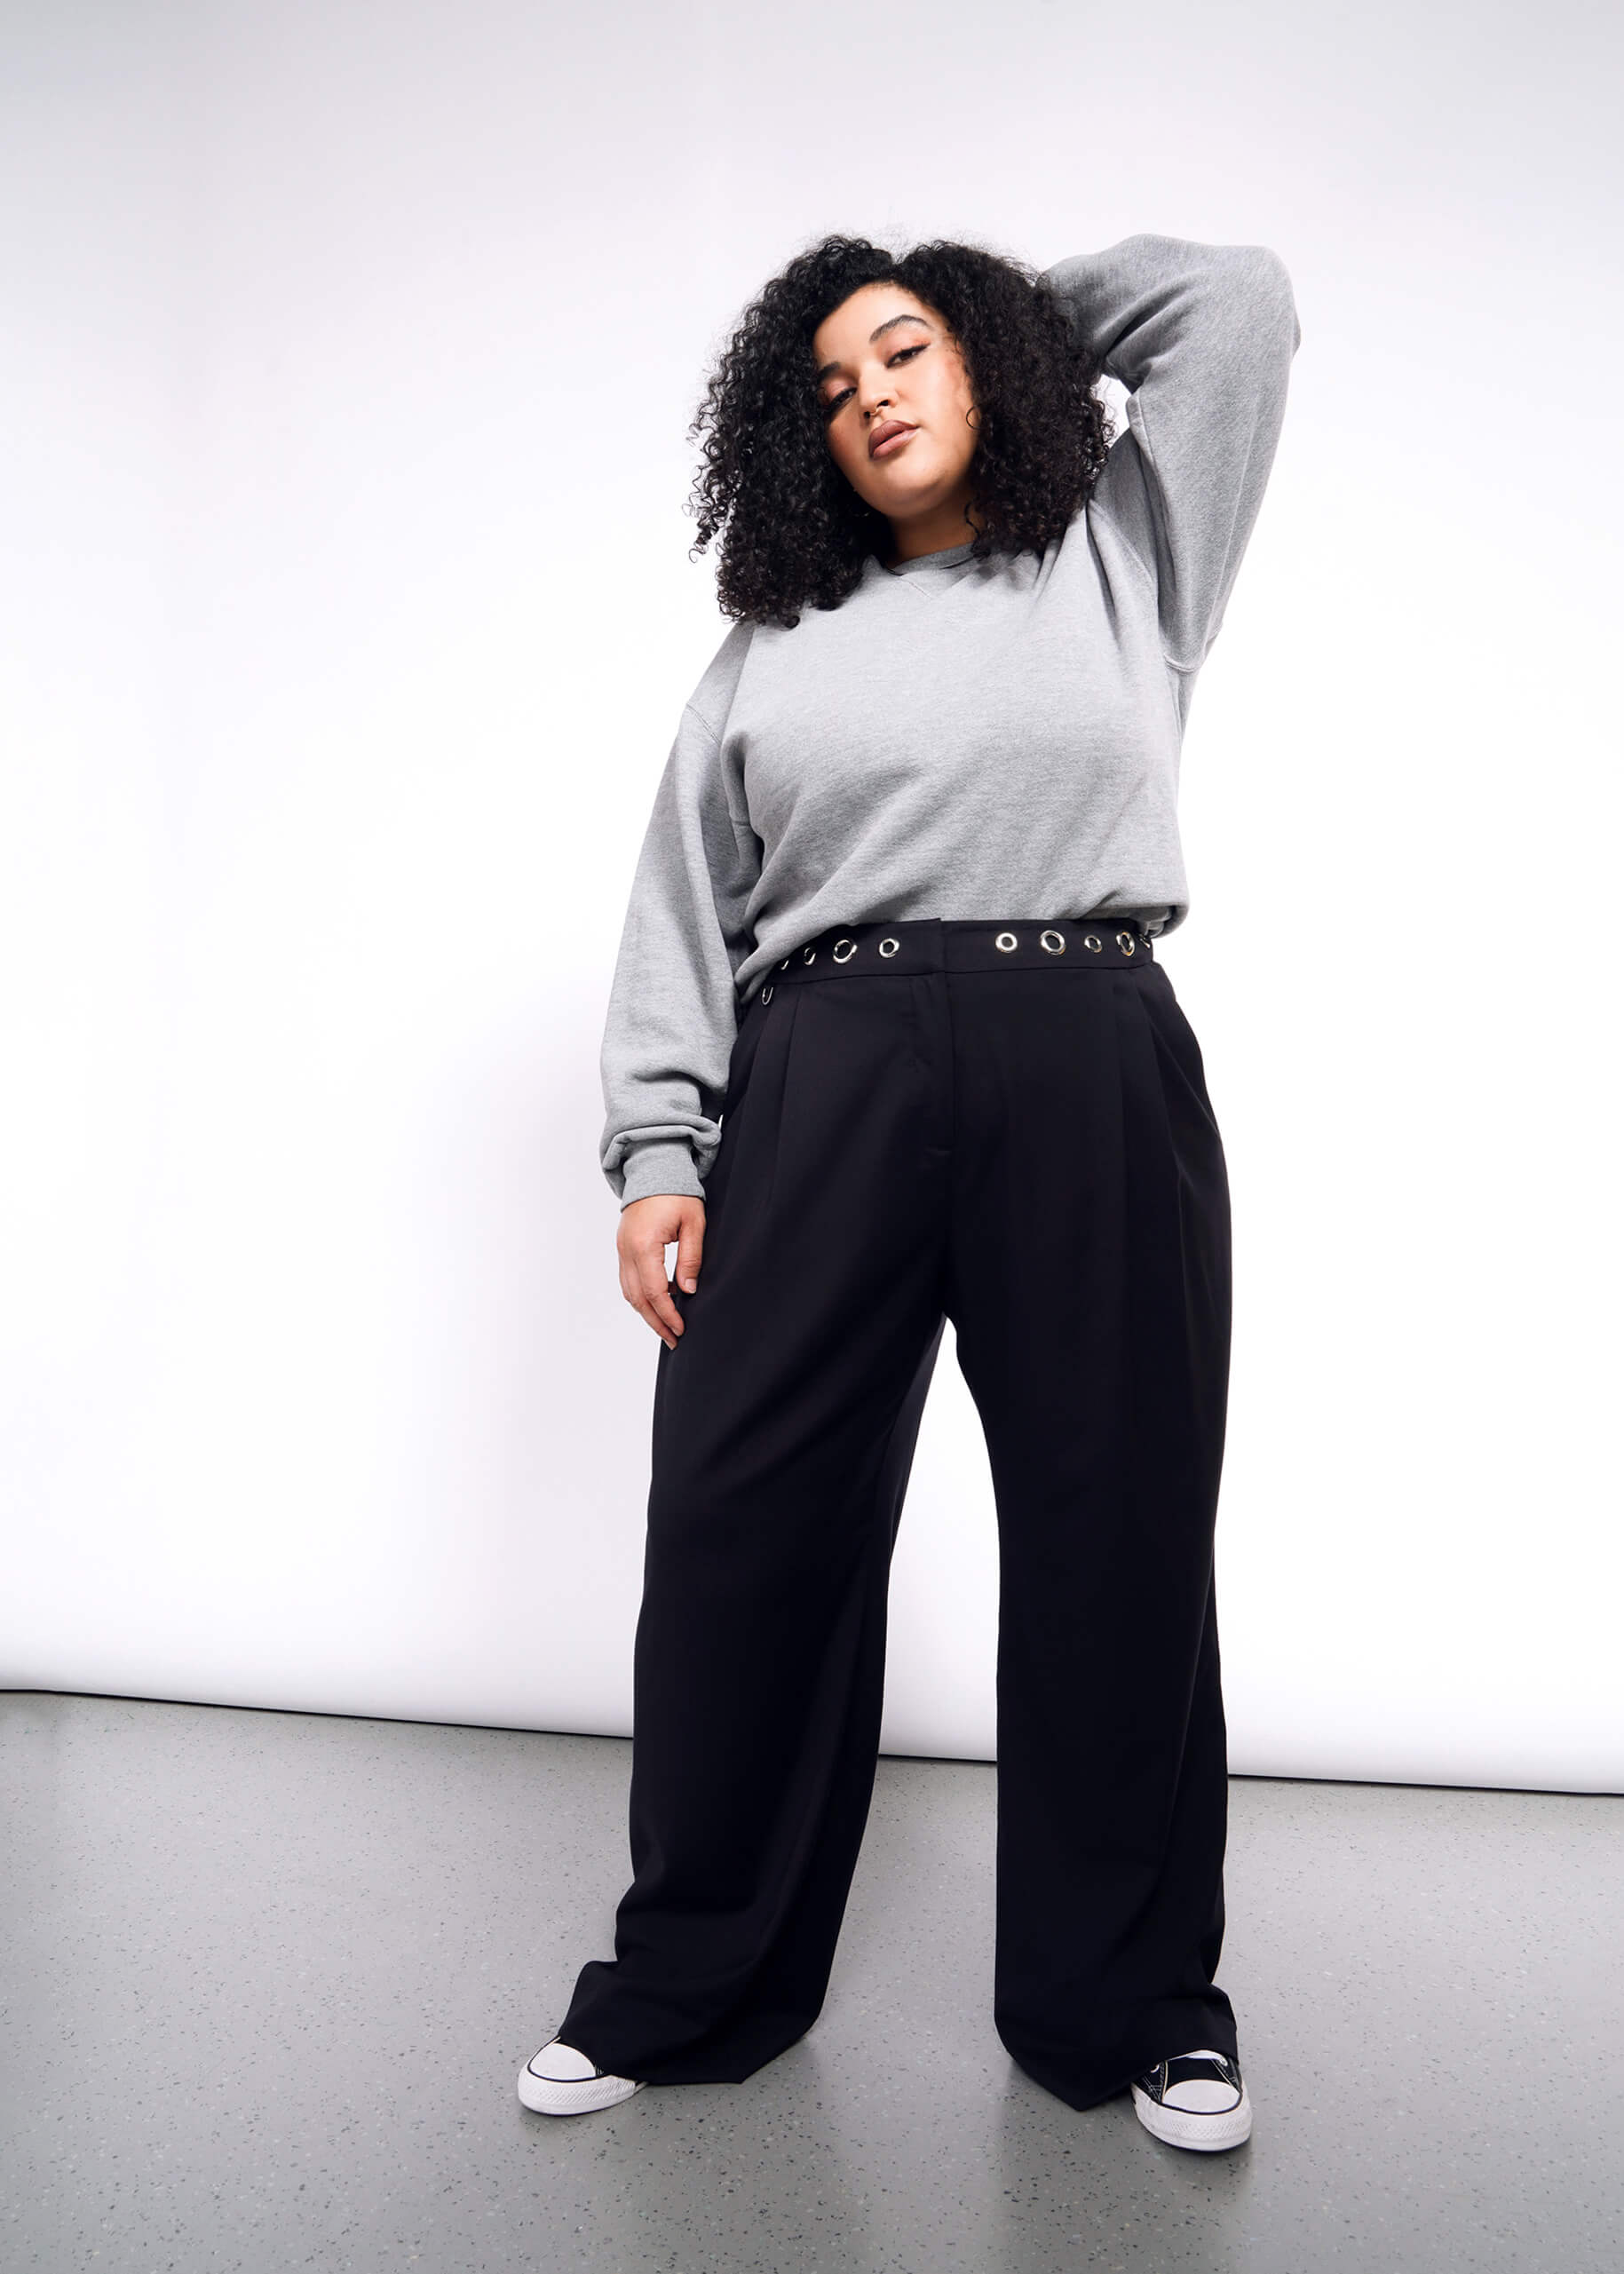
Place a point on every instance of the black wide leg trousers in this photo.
(1006, 1125)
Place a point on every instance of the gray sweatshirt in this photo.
(959, 738)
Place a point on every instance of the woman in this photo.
(893, 919)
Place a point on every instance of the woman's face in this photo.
(890, 374)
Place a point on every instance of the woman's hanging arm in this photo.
(672, 1015)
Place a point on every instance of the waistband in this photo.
(919, 944)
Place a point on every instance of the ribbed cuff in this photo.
(663, 1165)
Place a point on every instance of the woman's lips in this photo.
(892, 443)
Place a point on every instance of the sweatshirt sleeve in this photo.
(1202, 337)
(673, 1017)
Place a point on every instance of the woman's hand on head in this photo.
(647, 1228)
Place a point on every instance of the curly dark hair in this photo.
(794, 531)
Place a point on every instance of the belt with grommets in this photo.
(920, 944)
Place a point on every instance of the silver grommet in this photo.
(850, 948)
(1055, 941)
(1124, 941)
(766, 993)
(1091, 939)
(807, 954)
(890, 947)
(784, 966)
(1006, 940)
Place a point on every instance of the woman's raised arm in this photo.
(1202, 337)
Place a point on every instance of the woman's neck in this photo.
(953, 522)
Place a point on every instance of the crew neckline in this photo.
(949, 558)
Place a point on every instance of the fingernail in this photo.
(690, 1285)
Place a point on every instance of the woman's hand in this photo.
(647, 1227)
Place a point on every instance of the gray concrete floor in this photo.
(268, 1978)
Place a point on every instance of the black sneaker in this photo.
(1195, 2100)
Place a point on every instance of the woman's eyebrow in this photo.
(879, 331)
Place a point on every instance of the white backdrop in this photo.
(349, 352)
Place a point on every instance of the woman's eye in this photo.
(832, 403)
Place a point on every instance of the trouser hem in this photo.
(1083, 2080)
(746, 2052)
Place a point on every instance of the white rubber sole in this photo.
(572, 2096)
(1189, 2128)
